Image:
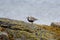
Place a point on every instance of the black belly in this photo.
(30, 20)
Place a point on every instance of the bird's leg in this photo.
(32, 23)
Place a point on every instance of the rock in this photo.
(3, 36)
(55, 24)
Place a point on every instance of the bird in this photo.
(31, 19)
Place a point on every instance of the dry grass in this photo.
(31, 32)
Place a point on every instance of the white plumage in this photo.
(31, 19)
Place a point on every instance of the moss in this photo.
(31, 32)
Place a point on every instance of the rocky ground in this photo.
(20, 30)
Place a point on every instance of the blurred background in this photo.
(46, 11)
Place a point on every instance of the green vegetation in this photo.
(31, 32)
